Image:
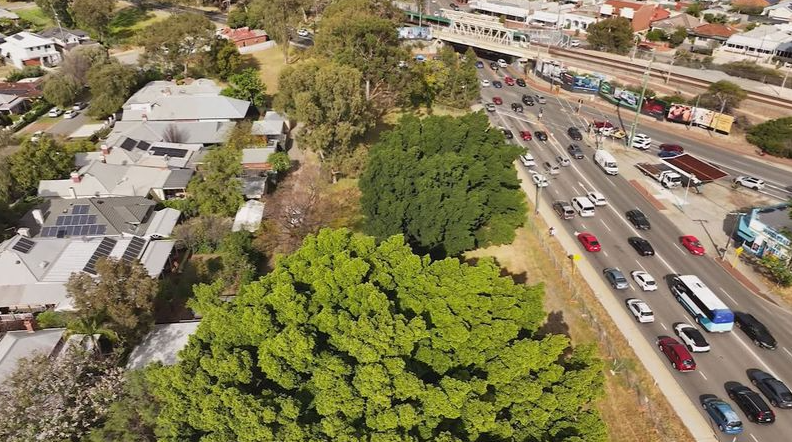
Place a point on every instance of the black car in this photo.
(755, 330)
(479, 64)
(507, 133)
(497, 84)
(520, 82)
(517, 107)
(575, 151)
(750, 403)
(540, 135)
(527, 100)
(454, 6)
(574, 134)
(493, 66)
(774, 390)
(641, 246)
(638, 219)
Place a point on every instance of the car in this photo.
(479, 64)
(640, 310)
(564, 209)
(589, 241)
(667, 147)
(453, 6)
(722, 415)
(526, 135)
(422, 58)
(502, 63)
(574, 134)
(638, 219)
(668, 154)
(508, 80)
(80, 105)
(677, 354)
(641, 141)
(692, 244)
(540, 135)
(54, 112)
(597, 198)
(539, 180)
(402, 64)
(70, 114)
(303, 33)
(749, 182)
(751, 403)
(644, 280)
(641, 245)
(485, 83)
(527, 100)
(603, 127)
(497, 84)
(553, 169)
(574, 43)
(755, 330)
(507, 133)
(497, 100)
(520, 82)
(516, 107)
(540, 99)
(616, 278)
(773, 389)
(36, 136)
(575, 151)
(692, 338)
(527, 160)
(617, 134)
(562, 161)
(490, 107)
(494, 66)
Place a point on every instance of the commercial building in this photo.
(766, 231)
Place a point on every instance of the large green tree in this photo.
(350, 340)
(329, 100)
(111, 83)
(36, 161)
(131, 418)
(216, 188)
(57, 10)
(447, 183)
(61, 90)
(94, 15)
(451, 80)
(279, 17)
(246, 85)
(224, 59)
(173, 44)
(77, 62)
(611, 35)
(723, 96)
(774, 136)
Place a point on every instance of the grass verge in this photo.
(130, 20)
(36, 17)
(269, 63)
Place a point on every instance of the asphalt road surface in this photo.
(732, 353)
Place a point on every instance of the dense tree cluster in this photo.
(246, 85)
(350, 340)
(450, 80)
(774, 136)
(447, 183)
(611, 35)
(174, 44)
(111, 84)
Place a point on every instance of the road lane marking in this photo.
(664, 327)
(785, 349)
(753, 437)
(639, 265)
(750, 350)
(605, 253)
(667, 264)
(724, 292)
(702, 375)
(606, 226)
(679, 248)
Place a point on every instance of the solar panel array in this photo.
(80, 209)
(133, 249)
(169, 151)
(79, 223)
(23, 245)
(103, 251)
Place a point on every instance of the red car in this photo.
(497, 100)
(693, 245)
(508, 80)
(677, 353)
(526, 135)
(589, 242)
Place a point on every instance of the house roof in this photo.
(21, 89)
(765, 37)
(714, 30)
(189, 132)
(5, 13)
(196, 100)
(684, 20)
(258, 155)
(659, 14)
(272, 124)
(18, 345)
(248, 216)
(619, 4)
(62, 33)
(163, 222)
(155, 90)
(142, 153)
(241, 34)
(27, 40)
(162, 344)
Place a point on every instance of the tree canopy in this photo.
(611, 35)
(774, 136)
(44, 159)
(447, 183)
(111, 84)
(93, 15)
(723, 96)
(451, 80)
(246, 85)
(216, 189)
(350, 340)
(173, 44)
(278, 17)
(61, 90)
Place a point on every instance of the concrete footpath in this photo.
(687, 412)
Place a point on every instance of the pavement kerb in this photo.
(687, 412)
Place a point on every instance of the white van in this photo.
(583, 206)
(606, 161)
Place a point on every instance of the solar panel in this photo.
(48, 231)
(169, 151)
(60, 221)
(23, 245)
(91, 219)
(80, 209)
(103, 251)
(92, 229)
(133, 249)
(142, 145)
(101, 229)
(128, 144)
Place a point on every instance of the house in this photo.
(249, 216)
(767, 231)
(162, 344)
(641, 15)
(271, 130)
(245, 36)
(759, 4)
(119, 216)
(206, 133)
(198, 100)
(5, 14)
(127, 151)
(680, 20)
(27, 87)
(781, 11)
(66, 39)
(12, 104)
(29, 49)
(762, 43)
(256, 171)
(18, 345)
(711, 34)
(34, 271)
(98, 179)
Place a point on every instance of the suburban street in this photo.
(732, 353)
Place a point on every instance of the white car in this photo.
(597, 198)
(540, 99)
(563, 161)
(485, 83)
(70, 114)
(552, 169)
(54, 112)
(502, 63)
(36, 136)
(644, 280)
(574, 43)
(641, 141)
(527, 160)
(750, 182)
(692, 338)
(539, 179)
(303, 33)
(640, 310)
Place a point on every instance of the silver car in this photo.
(616, 278)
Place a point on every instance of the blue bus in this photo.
(706, 308)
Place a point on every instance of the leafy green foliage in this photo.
(716, 18)
(56, 9)
(93, 15)
(677, 37)
(78, 61)
(447, 183)
(656, 35)
(173, 44)
(111, 84)
(42, 160)
(695, 9)
(202, 234)
(61, 90)
(773, 137)
(280, 161)
(777, 269)
(224, 58)
(611, 35)
(753, 71)
(278, 17)
(722, 96)
(246, 85)
(132, 418)
(51, 319)
(26, 72)
(348, 340)
(216, 189)
(449, 80)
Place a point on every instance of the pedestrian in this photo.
(540, 113)
(552, 231)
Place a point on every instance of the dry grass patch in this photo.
(269, 63)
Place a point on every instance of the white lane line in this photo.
(667, 264)
(750, 350)
(582, 225)
(753, 437)
(702, 375)
(632, 288)
(679, 248)
(785, 349)
(639, 265)
(724, 292)
(664, 327)
(581, 185)
(605, 253)
(606, 226)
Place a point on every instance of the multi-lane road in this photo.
(732, 353)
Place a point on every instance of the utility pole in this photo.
(734, 229)
(647, 72)
(693, 111)
(536, 204)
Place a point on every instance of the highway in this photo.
(732, 353)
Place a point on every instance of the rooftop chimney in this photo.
(30, 325)
(73, 192)
(75, 177)
(105, 149)
(24, 231)
(38, 216)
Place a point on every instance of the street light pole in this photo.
(536, 205)
(734, 229)
(687, 188)
(647, 73)
(693, 111)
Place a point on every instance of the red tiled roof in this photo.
(29, 90)
(660, 14)
(715, 30)
(618, 4)
(242, 34)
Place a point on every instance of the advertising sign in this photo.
(605, 88)
(680, 113)
(722, 122)
(415, 33)
(655, 108)
(702, 117)
(586, 83)
(626, 97)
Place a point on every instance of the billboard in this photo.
(625, 97)
(680, 113)
(702, 117)
(586, 83)
(605, 88)
(655, 108)
(722, 122)
(415, 33)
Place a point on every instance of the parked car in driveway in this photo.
(773, 389)
(80, 105)
(751, 403)
(575, 151)
(644, 280)
(641, 245)
(638, 219)
(693, 245)
(677, 354)
(692, 338)
(755, 330)
(589, 241)
(54, 112)
(722, 415)
(616, 278)
(70, 114)
(640, 310)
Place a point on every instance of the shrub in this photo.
(773, 137)
(26, 72)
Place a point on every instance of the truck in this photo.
(606, 162)
(662, 173)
